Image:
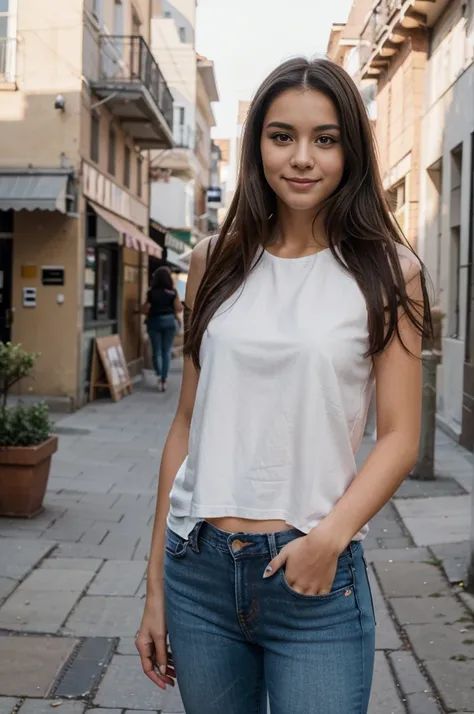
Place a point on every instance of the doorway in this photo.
(6, 269)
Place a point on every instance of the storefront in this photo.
(73, 267)
(116, 267)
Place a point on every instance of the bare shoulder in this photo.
(409, 262)
(197, 268)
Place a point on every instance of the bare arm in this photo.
(176, 447)
(398, 377)
(177, 305)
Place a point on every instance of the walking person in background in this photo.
(162, 308)
(309, 298)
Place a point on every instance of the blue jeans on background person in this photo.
(237, 638)
(161, 331)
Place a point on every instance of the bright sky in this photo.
(246, 39)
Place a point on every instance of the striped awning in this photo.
(34, 189)
(127, 233)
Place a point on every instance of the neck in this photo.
(300, 231)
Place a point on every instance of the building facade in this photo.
(446, 222)
(83, 101)
(180, 177)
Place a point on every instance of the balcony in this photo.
(181, 162)
(7, 60)
(389, 24)
(130, 81)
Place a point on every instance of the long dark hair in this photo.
(161, 278)
(358, 221)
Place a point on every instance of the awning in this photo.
(34, 189)
(129, 234)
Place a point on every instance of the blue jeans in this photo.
(236, 637)
(161, 331)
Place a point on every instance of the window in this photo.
(182, 34)
(112, 150)
(98, 10)
(126, 167)
(8, 21)
(139, 174)
(95, 137)
(118, 17)
(100, 282)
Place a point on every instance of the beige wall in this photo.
(42, 238)
(398, 126)
(48, 62)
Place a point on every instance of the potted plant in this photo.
(26, 444)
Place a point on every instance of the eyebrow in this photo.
(289, 127)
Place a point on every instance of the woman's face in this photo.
(301, 148)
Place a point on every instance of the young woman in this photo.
(309, 298)
(161, 308)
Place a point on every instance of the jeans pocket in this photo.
(369, 588)
(175, 545)
(343, 584)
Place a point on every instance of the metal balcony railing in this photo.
(127, 59)
(7, 59)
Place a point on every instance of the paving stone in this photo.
(86, 550)
(419, 611)
(422, 703)
(405, 555)
(386, 635)
(436, 520)
(440, 642)
(126, 646)
(7, 586)
(46, 581)
(96, 534)
(468, 600)
(410, 678)
(98, 710)
(44, 706)
(442, 486)
(96, 615)
(125, 686)
(30, 664)
(118, 577)
(454, 682)
(86, 669)
(7, 704)
(385, 695)
(18, 557)
(391, 543)
(455, 559)
(84, 564)
(36, 611)
(410, 579)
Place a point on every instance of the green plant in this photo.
(15, 364)
(20, 425)
(24, 425)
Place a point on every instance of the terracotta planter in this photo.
(24, 472)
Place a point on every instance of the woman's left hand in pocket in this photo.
(310, 564)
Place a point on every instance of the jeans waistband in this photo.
(243, 545)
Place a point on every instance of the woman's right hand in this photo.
(157, 663)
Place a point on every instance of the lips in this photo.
(301, 182)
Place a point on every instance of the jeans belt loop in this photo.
(194, 537)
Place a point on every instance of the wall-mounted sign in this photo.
(28, 272)
(29, 297)
(214, 195)
(52, 275)
(106, 193)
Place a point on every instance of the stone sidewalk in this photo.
(72, 579)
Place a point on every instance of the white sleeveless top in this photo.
(282, 399)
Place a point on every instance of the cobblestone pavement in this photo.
(72, 579)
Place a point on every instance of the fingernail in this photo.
(163, 668)
(267, 572)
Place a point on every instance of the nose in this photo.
(302, 157)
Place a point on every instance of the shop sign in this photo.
(52, 275)
(175, 244)
(106, 193)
